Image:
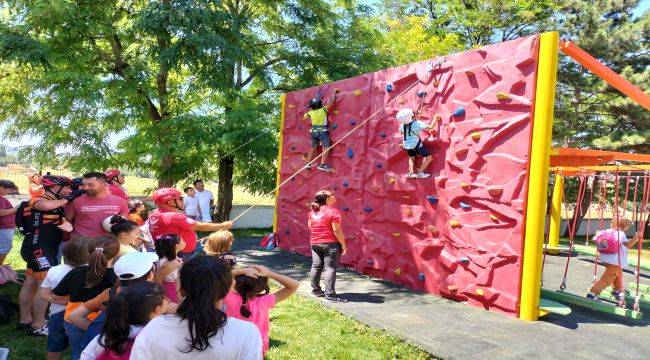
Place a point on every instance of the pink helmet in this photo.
(163, 195)
(112, 174)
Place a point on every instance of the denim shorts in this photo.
(6, 240)
(57, 340)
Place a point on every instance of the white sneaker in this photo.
(42, 331)
(411, 175)
(423, 175)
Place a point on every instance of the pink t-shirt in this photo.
(7, 221)
(86, 214)
(118, 191)
(165, 222)
(259, 307)
(321, 225)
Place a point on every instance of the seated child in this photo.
(319, 132)
(613, 274)
(411, 129)
(36, 189)
(251, 300)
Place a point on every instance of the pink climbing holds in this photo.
(495, 191)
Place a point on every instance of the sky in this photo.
(113, 140)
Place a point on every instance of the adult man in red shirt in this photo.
(87, 212)
(116, 184)
(169, 218)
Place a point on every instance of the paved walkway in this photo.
(456, 331)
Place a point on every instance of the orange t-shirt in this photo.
(136, 219)
(36, 190)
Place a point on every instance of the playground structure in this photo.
(474, 231)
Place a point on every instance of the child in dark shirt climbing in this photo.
(319, 132)
(411, 128)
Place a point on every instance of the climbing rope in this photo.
(572, 226)
(640, 233)
(591, 199)
(358, 126)
(601, 215)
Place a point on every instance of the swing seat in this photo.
(555, 250)
(568, 298)
(547, 306)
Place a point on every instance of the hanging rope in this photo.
(591, 199)
(572, 227)
(601, 215)
(547, 232)
(627, 188)
(640, 234)
(331, 147)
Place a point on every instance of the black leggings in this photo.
(325, 256)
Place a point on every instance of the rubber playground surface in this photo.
(452, 330)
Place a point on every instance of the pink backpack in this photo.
(606, 241)
(8, 274)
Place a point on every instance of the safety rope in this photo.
(640, 234)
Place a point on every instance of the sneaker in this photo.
(308, 167)
(23, 327)
(592, 296)
(42, 331)
(318, 293)
(324, 167)
(334, 298)
(411, 175)
(423, 175)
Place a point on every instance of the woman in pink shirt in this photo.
(327, 244)
(252, 302)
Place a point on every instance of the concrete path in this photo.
(456, 331)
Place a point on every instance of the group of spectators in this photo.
(119, 283)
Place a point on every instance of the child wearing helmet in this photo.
(319, 132)
(411, 128)
(116, 180)
(35, 187)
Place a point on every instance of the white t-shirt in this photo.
(204, 203)
(613, 258)
(52, 279)
(166, 336)
(93, 349)
(191, 205)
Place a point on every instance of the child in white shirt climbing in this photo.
(411, 128)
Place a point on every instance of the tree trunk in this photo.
(166, 165)
(224, 195)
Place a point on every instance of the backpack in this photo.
(22, 214)
(606, 241)
(110, 355)
(269, 242)
(8, 274)
(7, 308)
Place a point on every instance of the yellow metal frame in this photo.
(283, 99)
(556, 214)
(531, 275)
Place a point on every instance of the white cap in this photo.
(134, 265)
(405, 116)
(106, 224)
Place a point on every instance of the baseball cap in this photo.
(134, 265)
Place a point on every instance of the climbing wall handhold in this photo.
(495, 191)
(459, 112)
(454, 223)
(336, 112)
(461, 152)
(452, 288)
(438, 117)
(391, 180)
(292, 148)
(334, 126)
(367, 209)
(432, 199)
(345, 184)
(476, 136)
(402, 101)
(421, 93)
(421, 276)
(405, 197)
(349, 153)
(382, 135)
(389, 88)
(463, 260)
(479, 292)
(378, 165)
(345, 208)
(398, 271)
(396, 234)
(469, 72)
(465, 206)
(433, 230)
(352, 122)
(357, 92)
(493, 217)
(409, 212)
(291, 106)
(464, 185)
(503, 96)
(369, 261)
(436, 82)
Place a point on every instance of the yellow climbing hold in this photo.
(464, 185)
(291, 106)
(494, 218)
(436, 82)
(402, 101)
(357, 92)
(476, 136)
(336, 112)
(437, 118)
(398, 271)
(479, 292)
(396, 234)
(454, 223)
(503, 96)
(391, 180)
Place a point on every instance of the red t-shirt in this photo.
(321, 225)
(86, 214)
(7, 221)
(164, 222)
(118, 191)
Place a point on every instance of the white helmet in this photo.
(405, 116)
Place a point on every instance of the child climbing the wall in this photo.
(612, 246)
(411, 128)
(319, 133)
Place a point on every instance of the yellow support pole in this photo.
(278, 178)
(540, 150)
(556, 215)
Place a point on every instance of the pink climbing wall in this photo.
(457, 234)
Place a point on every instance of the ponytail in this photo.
(132, 306)
(243, 309)
(320, 199)
(100, 249)
(248, 288)
(119, 224)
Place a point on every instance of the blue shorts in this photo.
(57, 340)
(6, 240)
(418, 150)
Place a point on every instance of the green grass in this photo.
(300, 329)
